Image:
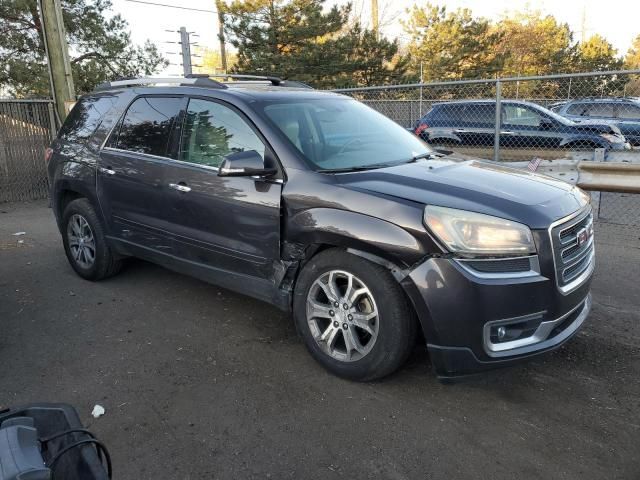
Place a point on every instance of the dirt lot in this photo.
(198, 382)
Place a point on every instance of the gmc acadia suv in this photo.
(317, 204)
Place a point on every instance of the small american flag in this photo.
(533, 165)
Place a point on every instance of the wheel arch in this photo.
(584, 142)
(443, 139)
(67, 190)
(316, 230)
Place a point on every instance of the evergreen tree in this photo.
(596, 54)
(100, 47)
(452, 45)
(298, 39)
(632, 59)
(533, 44)
(632, 62)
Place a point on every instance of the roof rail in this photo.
(276, 81)
(606, 98)
(197, 81)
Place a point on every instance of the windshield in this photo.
(343, 134)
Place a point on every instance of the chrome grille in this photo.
(573, 250)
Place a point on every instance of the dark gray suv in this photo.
(317, 204)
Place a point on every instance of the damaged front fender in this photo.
(350, 230)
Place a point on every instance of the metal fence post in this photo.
(496, 136)
(421, 83)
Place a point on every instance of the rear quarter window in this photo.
(629, 111)
(451, 113)
(85, 117)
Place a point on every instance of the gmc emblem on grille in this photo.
(582, 236)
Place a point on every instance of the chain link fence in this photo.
(26, 130)
(536, 122)
(546, 122)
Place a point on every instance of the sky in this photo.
(618, 24)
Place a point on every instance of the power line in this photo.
(172, 6)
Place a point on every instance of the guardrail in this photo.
(609, 177)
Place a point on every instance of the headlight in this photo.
(478, 234)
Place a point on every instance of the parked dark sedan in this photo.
(523, 125)
(318, 204)
(624, 113)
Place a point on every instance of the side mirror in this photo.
(244, 164)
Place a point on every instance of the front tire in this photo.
(85, 243)
(353, 316)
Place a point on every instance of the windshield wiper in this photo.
(432, 155)
(373, 166)
(359, 168)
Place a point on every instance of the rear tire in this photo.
(371, 331)
(85, 243)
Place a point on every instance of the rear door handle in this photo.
(107, 171)
(180, 187)
(459, 130)
(506, 132)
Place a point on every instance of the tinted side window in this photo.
(211, 131)
(628, 111)
(451, 113)
(577, 109)
(600, 110)
(147, 124)
(482, 113)
(85, 118)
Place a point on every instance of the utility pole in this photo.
(57, 50)
(185, 49)
(374, 18)
(223, 50)
(583, 25)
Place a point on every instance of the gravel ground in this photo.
(199, 382)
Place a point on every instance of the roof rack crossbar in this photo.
(274, 80)
(198, 81)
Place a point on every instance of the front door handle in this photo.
(506, 132)
(459, 130)
(107, 170)
(180, 187)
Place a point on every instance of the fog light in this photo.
(517, 330)
(502, 332)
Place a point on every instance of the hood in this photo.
(596, 126)
(533, 199)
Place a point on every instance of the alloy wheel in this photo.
(342, 315)
(82, 243)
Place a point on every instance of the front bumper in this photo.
(620, 145)
(455, 361)
(457, 311)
